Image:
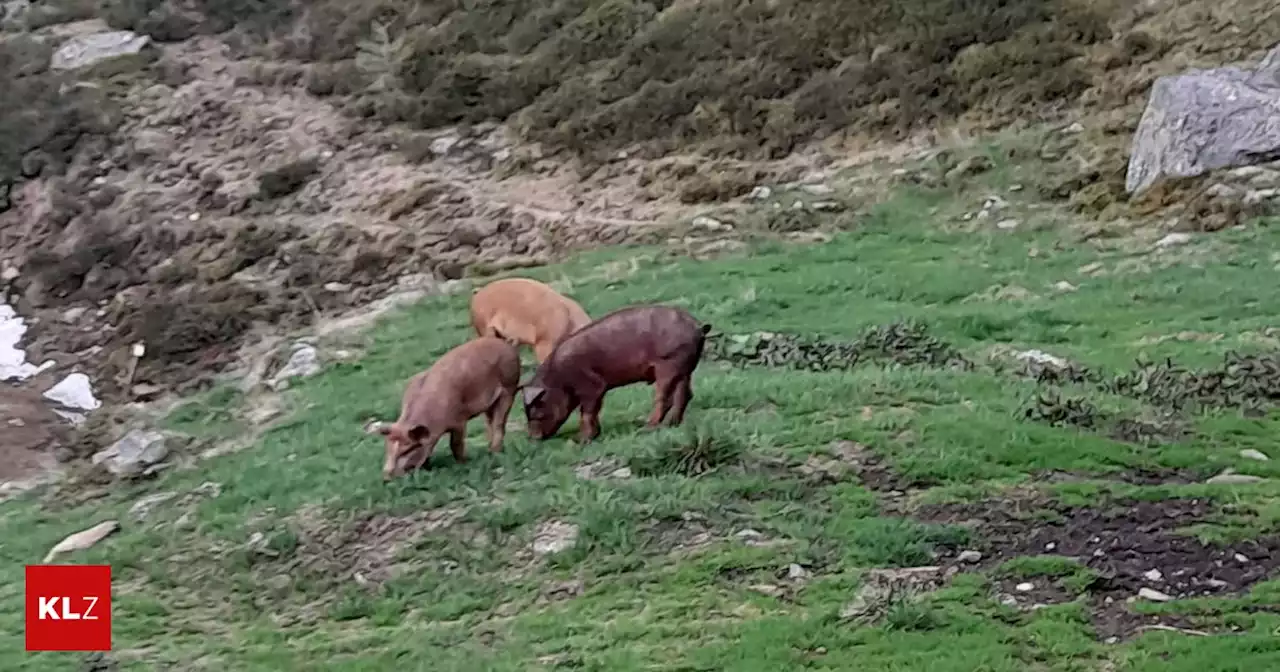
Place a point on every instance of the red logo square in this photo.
(68, 608)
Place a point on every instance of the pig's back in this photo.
(475, 367)
(629, 337)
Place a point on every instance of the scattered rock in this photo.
(74, 391)
(1025, 587)
(142, 508)
(969, 166)
(133, 454)
(1207, 119)
(1241, 558)
(1153, 575)
(767, 589)
(554, 536)
(1007, 224)
(761, 193)
(1153, 595)
(1041, 357)
(796, 572)
(83, 539)
(1174, 239)
(969, 557)
(1253, 454)
(1064, 286)
(748, 534)
(1073, 129)
(85, 51)
(818, 189)
(303, 363)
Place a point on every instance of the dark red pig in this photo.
(659, 345)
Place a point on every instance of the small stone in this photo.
(1050, 546)
(554, 536)
(1153, 595)
(1008, 600)
(83, 539)
(143, 506)
(1252, 454)
(1174, 239)
(1241, 558)
(761, 193)
(1064, 286)
(133, 453)
(969, 557)
(1007, 224)
(767, 589)
(194, 217)
(1216, 583)
(796, 572)
(1073, 129)
(710, 224)
(1112, 640)
(9, 274)
(818, 189)
(303, 363)
(1153, 575)
(1015, 187)
(1025, 587)
(337, 287)
(748, 534)
(1090, 269)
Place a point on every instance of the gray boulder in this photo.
(133, 454)
(1202, 120)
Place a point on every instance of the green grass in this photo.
(684, 565)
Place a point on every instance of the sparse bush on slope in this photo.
(738, 76)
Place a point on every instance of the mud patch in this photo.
(1130, 546)
(688, 534)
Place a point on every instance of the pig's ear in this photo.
(532, 393)
(377, 427)
(417, 433)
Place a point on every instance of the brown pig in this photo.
(526, 312)
(659, 345)
(479, 376)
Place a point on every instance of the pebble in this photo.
(761, 193)
(1251, 454)
(1050, 546)
(1153, 575)
(1241, 558)
(1007, 224)
(1229, 477)
(970, 557)
(1025, 587)
(1064, 286)
(795, 572)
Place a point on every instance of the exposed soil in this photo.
(365, 549)
(29, 428)
(1125, 543)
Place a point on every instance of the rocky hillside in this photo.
(225, 169)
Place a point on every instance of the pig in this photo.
(479, 376)
(526, 312)
(656, 344)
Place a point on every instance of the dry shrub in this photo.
(740, 77)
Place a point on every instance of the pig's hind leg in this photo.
(496, 419)
(681, 393)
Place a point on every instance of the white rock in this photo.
(795, 572)
(1252, 454)
(818, 189)
(1015, 187)
(1074, 128)
(748, 534)
(710, 224)
(1153, 575)
(83, 539)
(133, 453)
(1241, 558)
(86, 50)
(1174, 239)
(1229, 477)
(74, 391)
(761, 193)
(969, 557)
(1064, 286)
(9, 274)
(1153, 595)
(1042, 357)
(303, 363)
(1025, 587)
(1007, 224)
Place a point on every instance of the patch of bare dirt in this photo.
(365, 549)
(29, 428)
(1134, 547)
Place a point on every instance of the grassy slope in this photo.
(190, 592)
